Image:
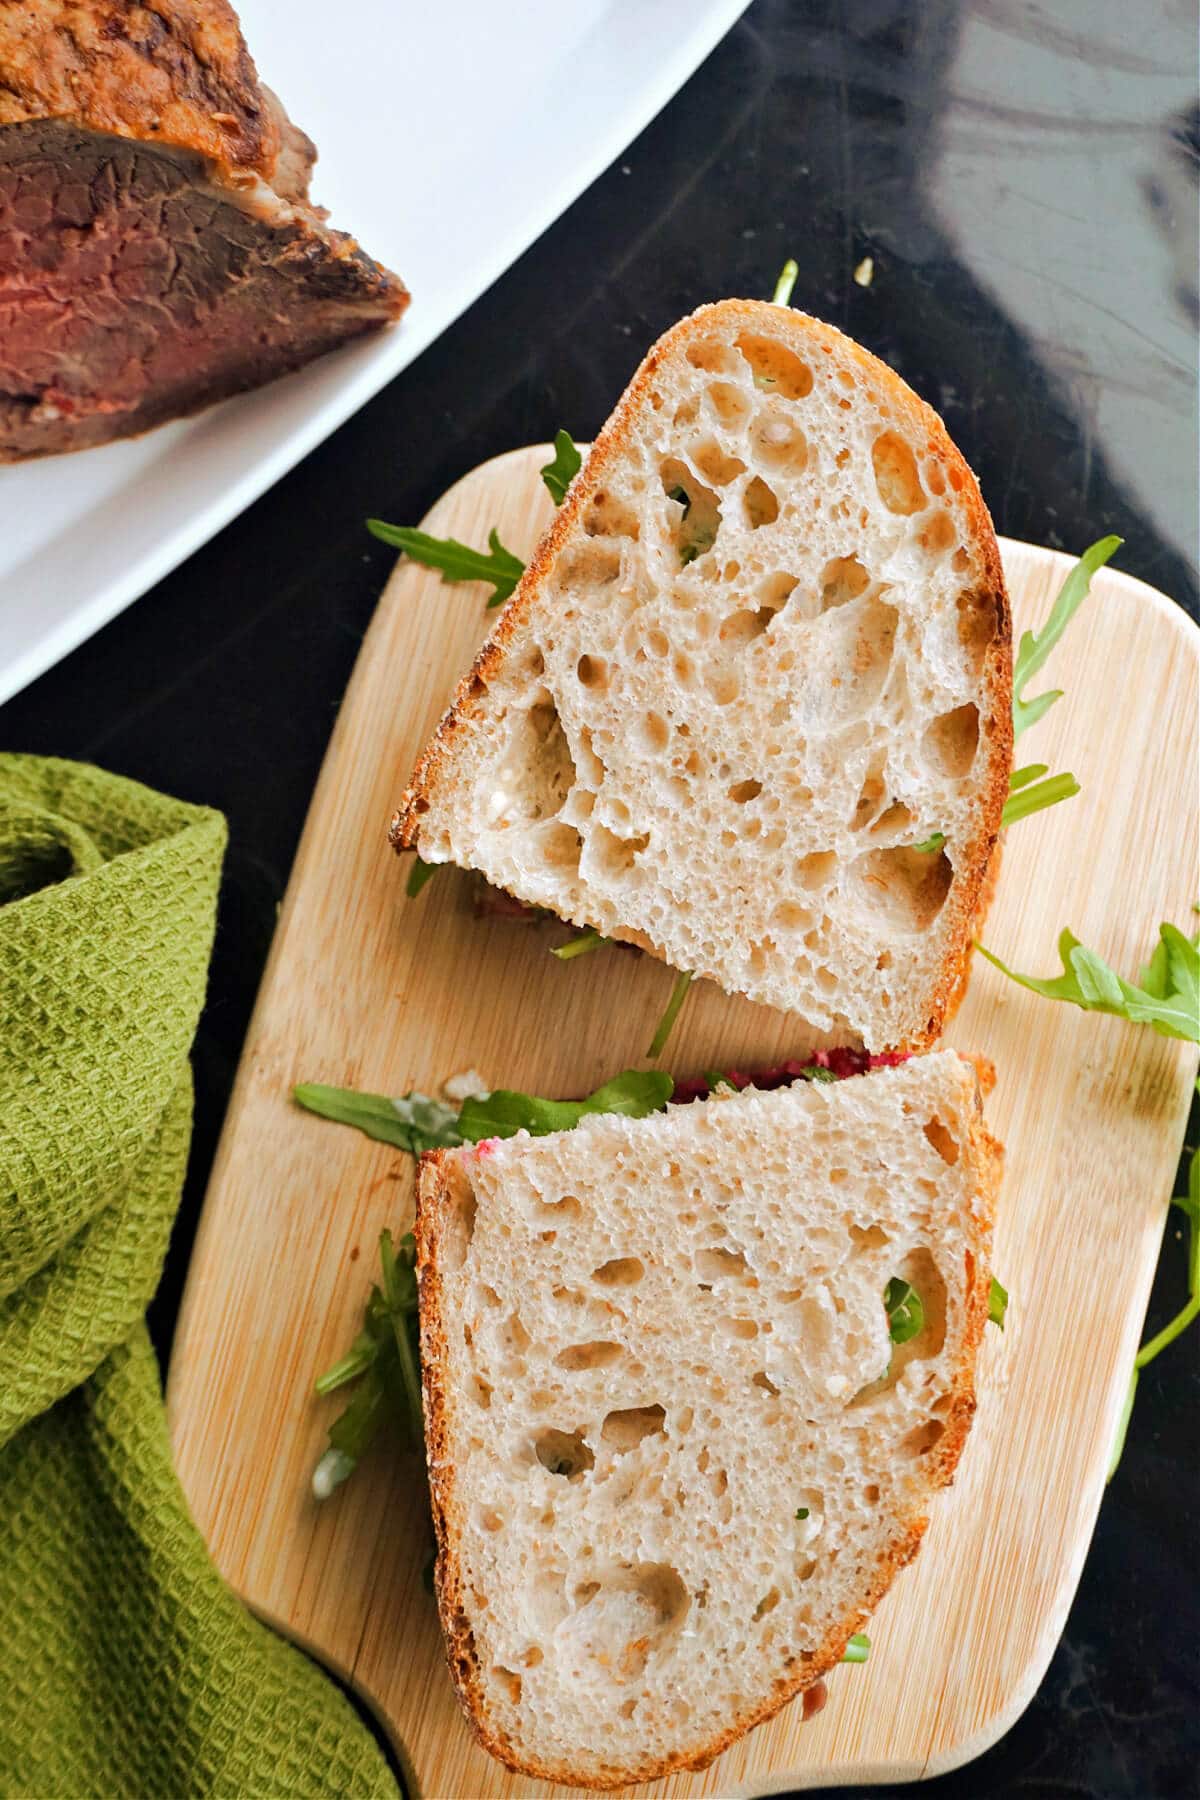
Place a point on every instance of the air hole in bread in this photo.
(978, 623)
(901, 889)
(620, 1271)
(817, 869)
(592, 672)
(776, 590)
(789, 916)
(935, 481)
(536, 771)
(626, 1428)
(743, 626)
(490, 1519)
(564, 1453)
(589, 566)
(713, 356)
(896, 475)
(870, 795)
(937, 534)
(776, 368)
(724, 686)
(763, 1380)
(514, 1337)
(559, 845)
(532, 1657)
(628, 1707)
(742, 791)
(768, 1603)
(896, 821)
(742, 1329)
(599, 1354)
(653, 732)
(960, 562)
(842, 579)
(761, 503)
(719, 1264)
(871, 1494)
(612, 856)
(480, 1392)
(697, 512)
(566, 1208)
(715, 464)
(950, 742)
(688, 411)
(509, 1682)
(869, 1237)
(778, 443)
(460, 1219)
(942, 1139)
(921, 1439)
(607, 516)
(729, 402)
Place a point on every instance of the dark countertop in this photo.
(1024, 179)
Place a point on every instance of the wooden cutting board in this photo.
(366, 988)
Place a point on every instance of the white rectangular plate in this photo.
(450, 137)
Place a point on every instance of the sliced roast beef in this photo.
(157, 247)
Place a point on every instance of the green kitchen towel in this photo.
(126, 1666)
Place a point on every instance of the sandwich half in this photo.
(676, 1451)
(750, 705)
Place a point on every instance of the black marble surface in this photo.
(1024, 178)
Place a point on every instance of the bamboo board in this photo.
(365, 988)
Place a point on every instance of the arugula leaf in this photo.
(1189, 1205)
(560, 472)
(802, 1512)
(384, 1360)
(412, 1122)
(634, 1094)
(787, 281)
(658, 1042)
(457, 562)
(997, 1303)
(1170, 1004)
(1035, 647)
(1033, 797)
(858, 1649)
(418, 875)
(1022, 777)
(930, 844)
(906, 1314)
(814, 1072)
(579, 946)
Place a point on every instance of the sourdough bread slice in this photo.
(763, 652)
(674, 1456)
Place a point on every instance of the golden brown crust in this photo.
(988, 615)
(434, 1199)
(175, 73)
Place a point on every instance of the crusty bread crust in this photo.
(436, 1201)
(968, 893)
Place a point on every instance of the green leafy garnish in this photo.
(682, 498)
(814, 1072)
(1189, 1205)
(1167, 999)
(385, 1361)
(658, 1042)
(1035, 647)
(906, 1314)
(858, 1649)
(579, 946)
(418, 875)
(457, 562)
(560, 472)
(1037, 797)
(930, 844)
(802, 1512)
(787, 281)
(634, 1094)
(412, 1122)
(997, 1303)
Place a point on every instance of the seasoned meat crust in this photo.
(158, 250)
